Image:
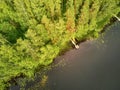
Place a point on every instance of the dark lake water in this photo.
(94, 66)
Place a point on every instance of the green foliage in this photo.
(34, 32)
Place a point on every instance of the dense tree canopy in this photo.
(34, 32)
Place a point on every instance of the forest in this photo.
(34, 32)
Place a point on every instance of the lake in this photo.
(94, 66)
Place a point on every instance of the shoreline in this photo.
(64, 52)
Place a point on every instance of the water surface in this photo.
(94, 66)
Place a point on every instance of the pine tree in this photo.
(34, 32)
